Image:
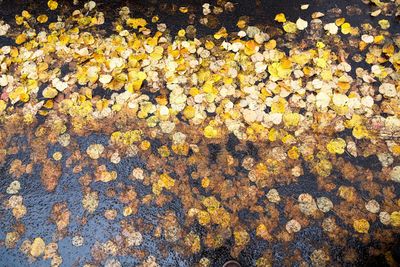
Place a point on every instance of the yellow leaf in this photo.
(37, 247)
(183, 9)
(345, 28)
(293, 153)
(290, 27)
(26, 14)
(280, 17)
(241, 24)
(181, 33)
(291, 119)
(42, 19)
(210, 132)
(222, 33)
(52, 4)
(136, 22)
(3, 106)
(395, 218)
(50, 92)
(21, 38)
(336, 146)
(361, 226)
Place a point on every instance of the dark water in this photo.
(259, 11)
(39, 202)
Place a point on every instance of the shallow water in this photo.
(97, 229)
